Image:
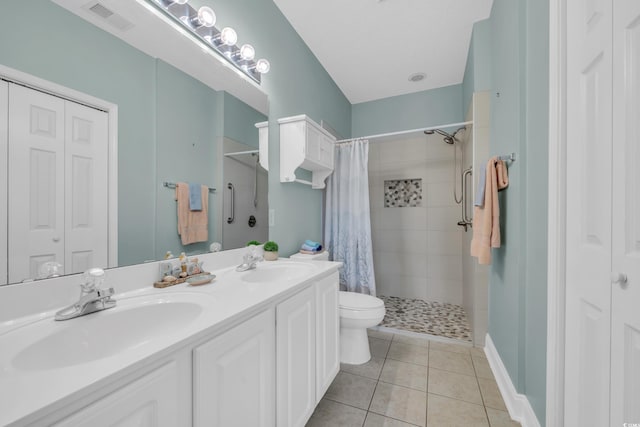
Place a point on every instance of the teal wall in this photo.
(168, 123)
(296, 84)
(477, 74)
(413, 111)
(514, 65)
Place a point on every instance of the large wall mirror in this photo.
(171, 128)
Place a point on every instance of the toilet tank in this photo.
(322, 256)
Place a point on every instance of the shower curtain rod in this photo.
(404, 132)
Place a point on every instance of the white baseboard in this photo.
(517, 404)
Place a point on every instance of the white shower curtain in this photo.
(348, 223)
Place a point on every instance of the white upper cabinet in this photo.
(304, 144)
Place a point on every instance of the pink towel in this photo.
(192, 225)
(486, 218)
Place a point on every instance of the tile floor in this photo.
(427, 317)
(413, 381)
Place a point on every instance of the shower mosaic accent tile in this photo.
(434, 318)
(402, 193)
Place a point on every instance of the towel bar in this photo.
(173, 185)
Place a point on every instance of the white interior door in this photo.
(588, 289)
(625, 313)
(86, 213)
(4, 113)
(36, 191)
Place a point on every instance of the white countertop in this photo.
(25, 390)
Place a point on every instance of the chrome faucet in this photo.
(92, 297)
(249, 262)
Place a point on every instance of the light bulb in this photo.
(247, 52)
(180, 1)
(262, 66)
(228, 36)
(206, 17)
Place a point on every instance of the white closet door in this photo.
(86, 151)
(625, 313)
(589, 139)
(36, 191)
(4, 113)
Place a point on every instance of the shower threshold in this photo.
(426, 317)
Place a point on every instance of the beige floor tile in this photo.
(352, 390)
(378, 347)
(454, 348)
(405, 374)
(374, 333)
(482, 367)
(478, 352)
(375, 420)
(409, 353)
(371, 369)
(491, 394)
(446, 412)
(332, 414)
(500, 419)
(421, 342)
(456, 386)
(400, 403)
(454, 362)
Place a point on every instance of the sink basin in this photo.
(277, 271)
(132, 323)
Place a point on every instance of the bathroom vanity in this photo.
(255, 348)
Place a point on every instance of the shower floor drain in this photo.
(433, 318)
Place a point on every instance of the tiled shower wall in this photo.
(417, 250)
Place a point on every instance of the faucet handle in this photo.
(92, 279)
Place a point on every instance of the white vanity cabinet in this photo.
(233, 376)
(305, 144)
(296, 354)
(307, 350)
(327, 333)
(159, 398)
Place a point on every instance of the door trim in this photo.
(22, 78)
(556, 250)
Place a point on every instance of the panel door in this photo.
(327, 334)
(625, 313)
(86, 154)
(233, 376)
(4, 117)
(313, 141)
(296, 359)
(36, 193)
(155, 400)
(589, 139)
(326, 152)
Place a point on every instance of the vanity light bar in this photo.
(200, 23)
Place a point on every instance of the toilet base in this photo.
(354, 346)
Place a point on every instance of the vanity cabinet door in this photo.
(327, 334)
(233, 376)
(296, 359)
(158, 399)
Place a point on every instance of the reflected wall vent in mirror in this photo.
(200, 25)
(108, 15)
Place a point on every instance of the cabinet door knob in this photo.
(56, 239)
(619, 278)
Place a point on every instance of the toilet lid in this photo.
(355, 301)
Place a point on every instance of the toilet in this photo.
(357, 313)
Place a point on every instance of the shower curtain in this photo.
(348, 223)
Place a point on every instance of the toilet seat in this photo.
(355, 301)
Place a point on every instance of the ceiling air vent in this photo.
(108, 15)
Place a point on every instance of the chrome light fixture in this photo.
(201, 24)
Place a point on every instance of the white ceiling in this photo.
(371, 47)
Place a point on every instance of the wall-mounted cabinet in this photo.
(304, 144)
(263, 144)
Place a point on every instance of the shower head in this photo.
(449, 138)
